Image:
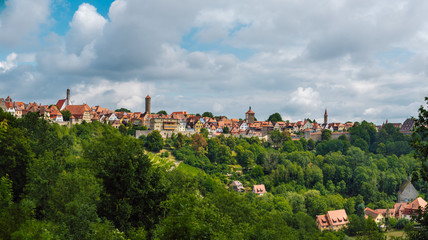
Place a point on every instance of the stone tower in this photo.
(325, 117)
(67, 99)
(250, 116)
(148, 104)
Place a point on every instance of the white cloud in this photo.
(305, 97)
(87, 25)
(10, 63)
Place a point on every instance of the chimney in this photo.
(68, 97)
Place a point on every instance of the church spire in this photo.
(325, 117)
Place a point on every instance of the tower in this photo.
(250, 116)
(148, 103)
(67, 100)
(325, 117)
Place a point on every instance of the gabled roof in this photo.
(259, 189)
(60, 103)
(370, 212)
(322, 220)
(78, 109)
(418, 202)
(337, 217)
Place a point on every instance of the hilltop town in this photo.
(182, 121)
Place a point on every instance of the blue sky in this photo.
(360, 60)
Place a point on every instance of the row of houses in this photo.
(179, 121)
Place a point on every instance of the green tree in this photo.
(257, 172)
(226, 130)
(66, 115)
(311, 144)
(325, 135)
(204, 132)
(15, 156)
(122, 129)
(207, 114)
(278, 138)
(132, 188)
(154, 141)
(244, 157)
(199, 144)
(122, 110)
(162, 112)
(420, 139)
(276, 117)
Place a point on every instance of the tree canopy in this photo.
(276, 117)
(122, 110)
(162, 112)
(207, 114)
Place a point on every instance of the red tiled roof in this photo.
(78, 110)
(338, 217)
(259, 189)
(60, 103)
(322, 220)
(371, 212)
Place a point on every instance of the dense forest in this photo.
(92, 181)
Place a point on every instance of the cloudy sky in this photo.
(359, 59)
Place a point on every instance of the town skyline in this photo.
(142, 109)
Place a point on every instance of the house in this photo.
(332, 220)
(55, 114)
(80, 112)
(237, 186)
(109, 117)
(243, 126)
(115, 124)
(306, 125)
(198, 126)
(164, 124)
(378, 217)
(406, 210)
(259, 189)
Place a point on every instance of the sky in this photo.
(360, 60)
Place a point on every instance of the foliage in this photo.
(66, 115)
(420, 139)
(154, 141)
(226, 130)
(90, 181)
(325, 135)
(122, 110)
(162, 112)
(276, 117)
(207, 114)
